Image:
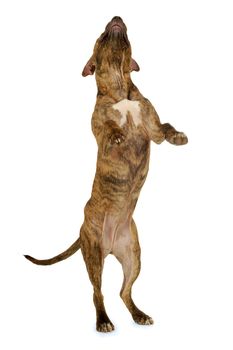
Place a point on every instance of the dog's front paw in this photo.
(177, 138)
(117, 138)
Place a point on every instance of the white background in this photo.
(48, 155)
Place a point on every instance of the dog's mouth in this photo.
(116, 27)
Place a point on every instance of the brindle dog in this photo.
(124, 122)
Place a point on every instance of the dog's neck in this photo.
(116, 85)
(113, 65)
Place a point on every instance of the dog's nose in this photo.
(117, 19)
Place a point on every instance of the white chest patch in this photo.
(126, 106)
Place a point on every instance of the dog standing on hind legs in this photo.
(124, 123)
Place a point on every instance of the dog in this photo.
(124, 123)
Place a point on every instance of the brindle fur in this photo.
(122, 167)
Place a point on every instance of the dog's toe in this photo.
(147, 321)
(117, 138)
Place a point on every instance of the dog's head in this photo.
(112, 51)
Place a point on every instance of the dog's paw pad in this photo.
(105, 327)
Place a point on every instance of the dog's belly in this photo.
(122, 172)
(116, 236)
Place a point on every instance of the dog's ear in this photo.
(89, 68)
(134, 65)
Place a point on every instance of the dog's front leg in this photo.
(159, 132)
(173, 136)
(107, 132)
(113, 132)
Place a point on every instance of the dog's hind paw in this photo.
(105, 327)
(142, 319)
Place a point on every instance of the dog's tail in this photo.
(66, 254)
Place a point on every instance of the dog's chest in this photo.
(128, 108)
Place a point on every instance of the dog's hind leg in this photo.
(94, 260)
(128, 253)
